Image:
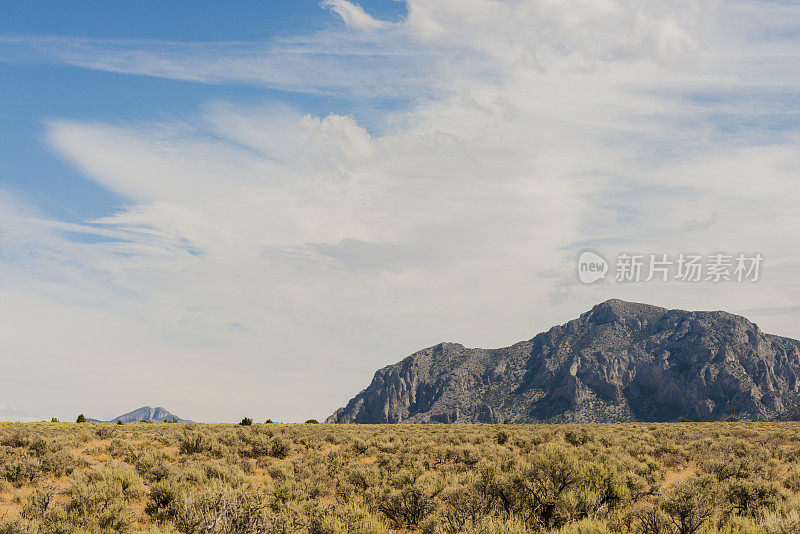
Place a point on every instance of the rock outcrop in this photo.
(620, 361)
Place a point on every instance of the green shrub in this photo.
(438, 479)
(545, 485)
(792, 481)
(502, 437)
(192, 442)
(153, 466)
(690, 503)
(38, 503)
(17, 525)
(221, 508)
(16, 439)
(18, 467)
(410, 498)
(751, 496)
(101, 498)
(497, 525)
(407, 506)
(163, 500)
(586, 526)
(647, 518)
(280, 448)
(775, 523)
(57, 462)
(106, 432)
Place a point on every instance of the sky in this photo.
(245, 209)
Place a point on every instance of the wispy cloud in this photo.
(338, 63)
(354, 16)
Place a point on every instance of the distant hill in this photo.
(10, 413)
(620, 361)
(146, 413)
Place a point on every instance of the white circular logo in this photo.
(591, 267)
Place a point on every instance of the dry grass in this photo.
(573, 479)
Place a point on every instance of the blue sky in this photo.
(247, 210)
(31, 93)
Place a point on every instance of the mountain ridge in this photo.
(145, 414)
(619, 361)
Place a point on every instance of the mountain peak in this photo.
(148, 414)
(621, 311)
(620, 361)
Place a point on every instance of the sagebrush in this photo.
(682, 478)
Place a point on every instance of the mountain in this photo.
(620, 361)
(9, 413)
(151, 415)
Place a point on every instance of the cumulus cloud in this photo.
(267, 254)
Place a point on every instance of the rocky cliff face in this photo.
(620, 361)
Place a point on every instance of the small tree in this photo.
(81, 419)
(268, 422)
(246, 422)
(312, 422)
(119, 421)
(54, 420)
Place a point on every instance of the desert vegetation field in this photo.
(311, 478)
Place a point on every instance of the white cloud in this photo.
(544, 32)
(266, 254)
(354, 16)
(349, 63)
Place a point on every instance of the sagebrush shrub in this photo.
(629, 479)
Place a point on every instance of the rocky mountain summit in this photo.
(149, 415)
(620, 361)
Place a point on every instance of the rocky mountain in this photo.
(620, 361)
(148, 414)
